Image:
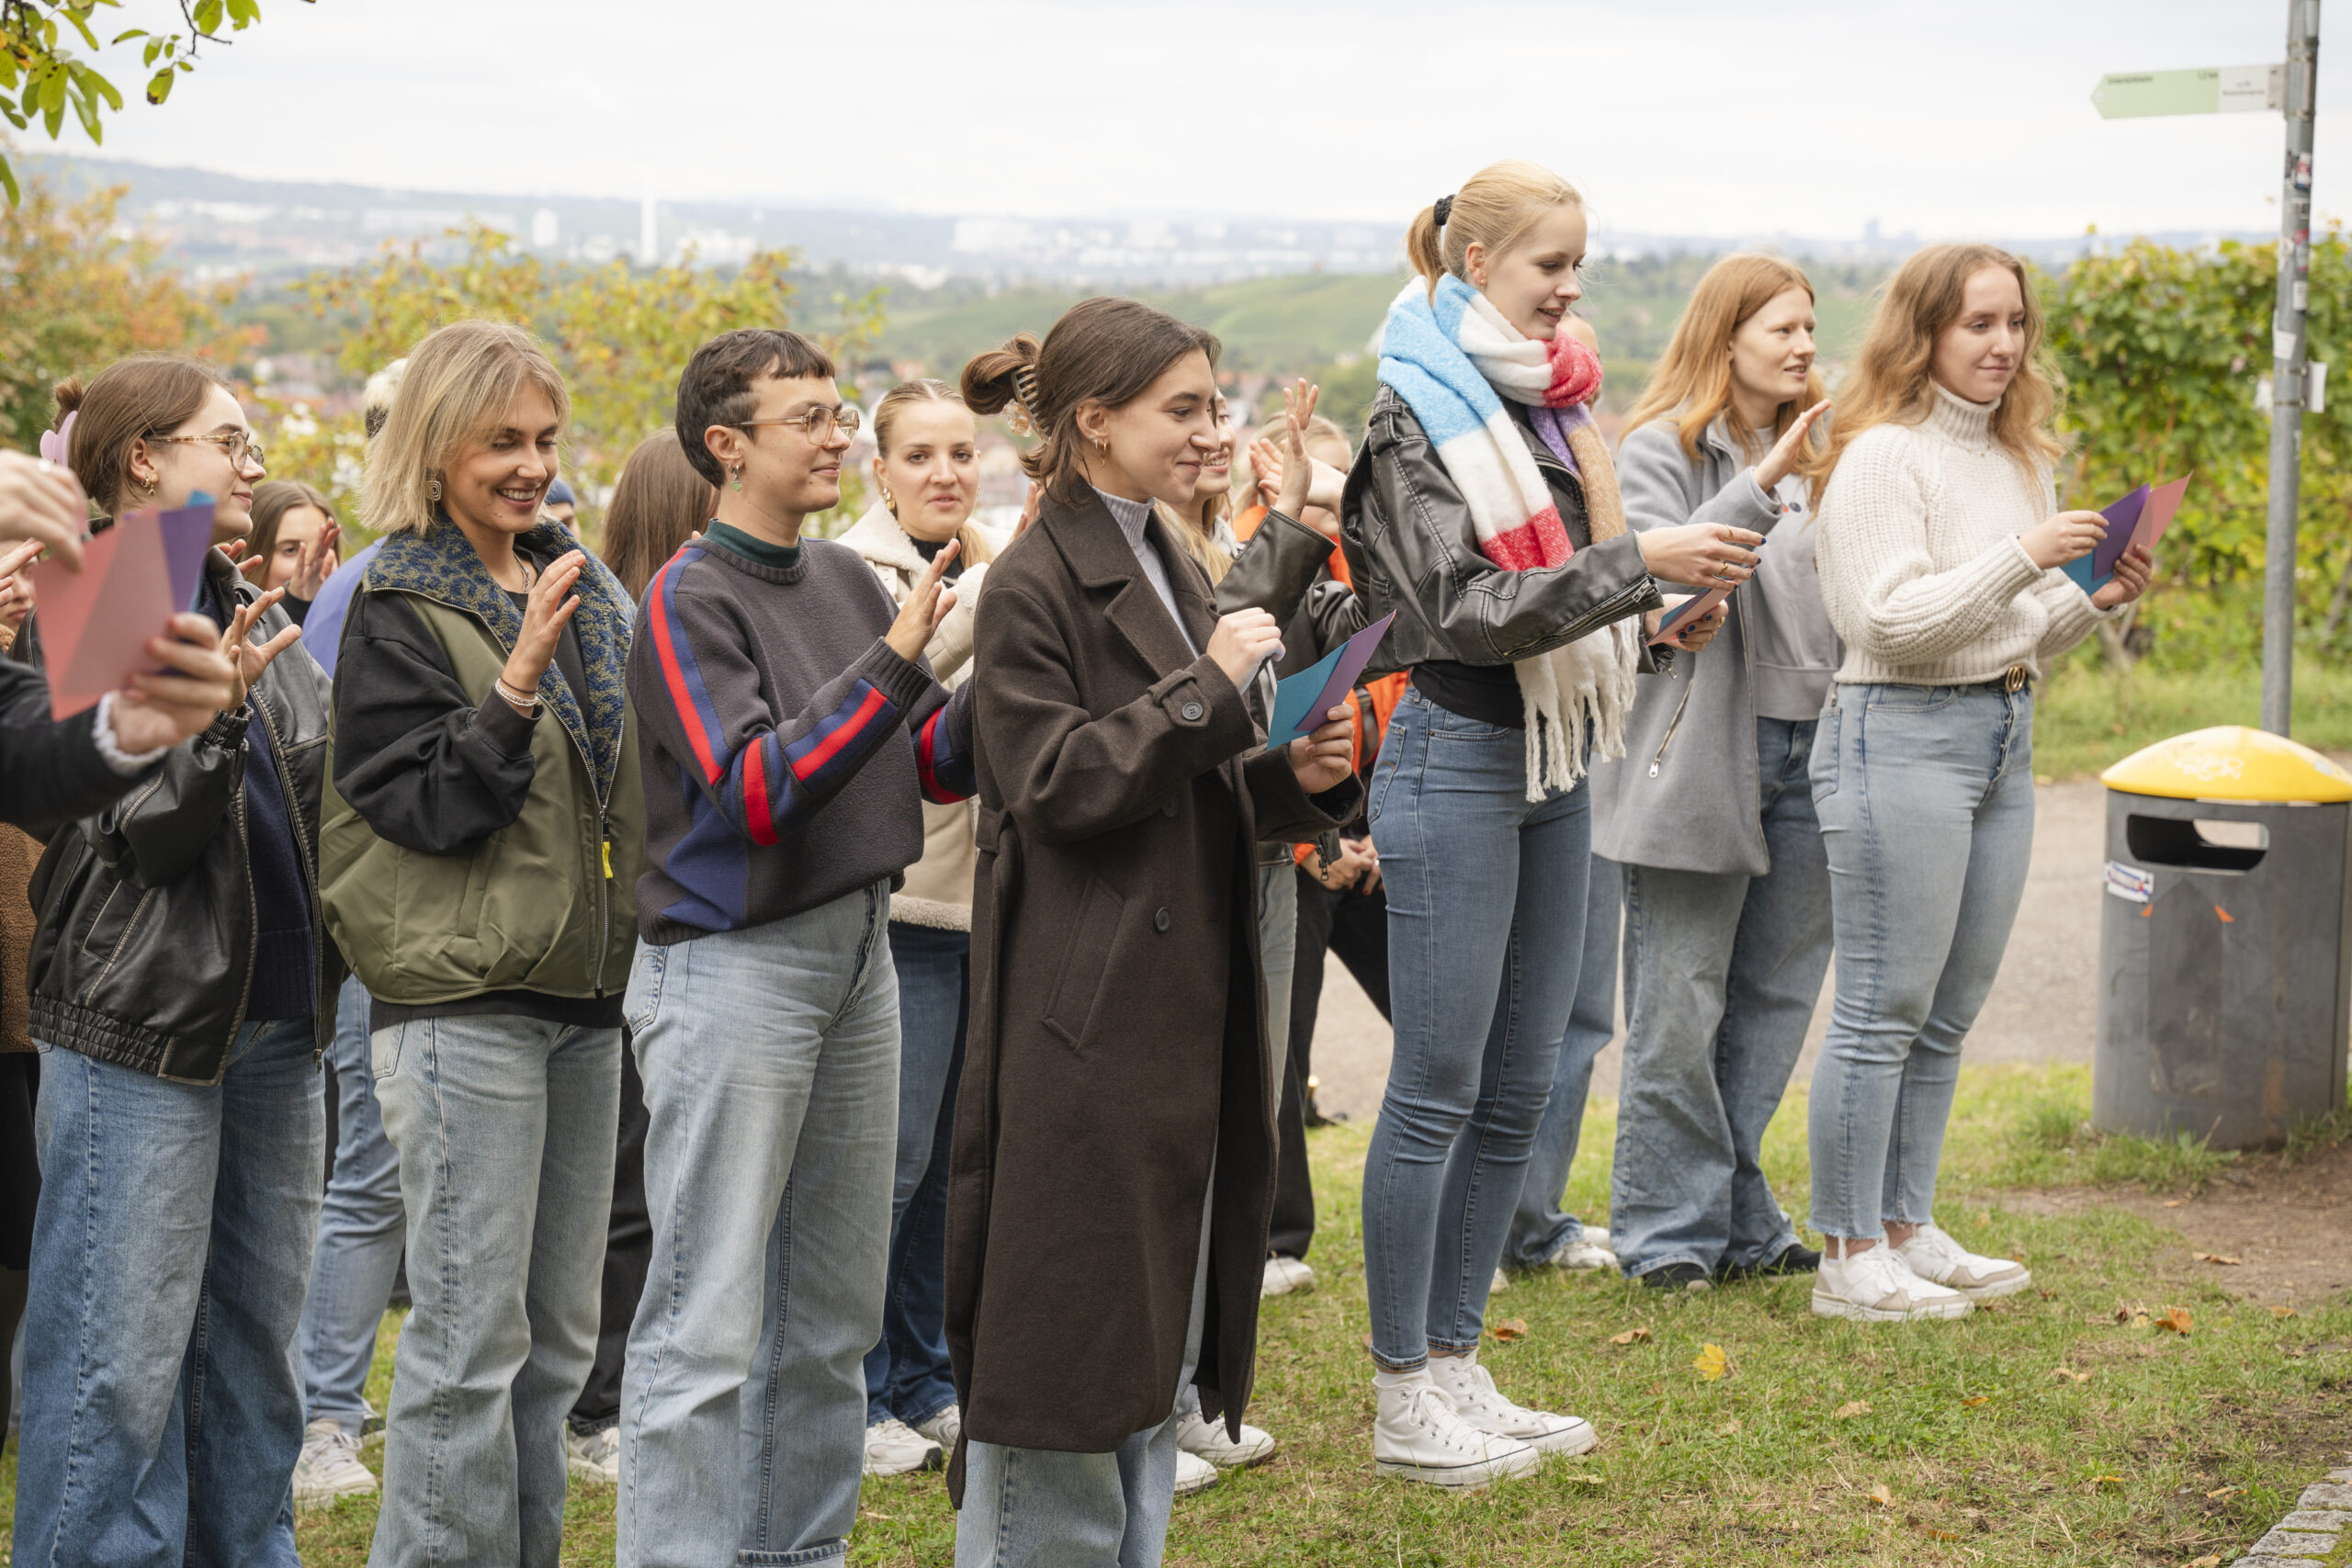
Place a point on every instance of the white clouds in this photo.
(1811, 117)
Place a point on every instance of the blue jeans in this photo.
(162, 1414)
(1278, 956)
(1486, 934)
(1540, 1227)
(362, 1228)
(771, 1065)
(505, 1127)
(906, 1373)
(1722, 972)
(1926, 800)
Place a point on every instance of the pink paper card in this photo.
(2163, 501)
(94, 623)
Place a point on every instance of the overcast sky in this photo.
(1807, 117)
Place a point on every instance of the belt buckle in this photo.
(2013, 679)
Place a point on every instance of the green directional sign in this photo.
(2221, 89)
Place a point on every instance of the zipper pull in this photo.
(1653, 770)
(608, 860)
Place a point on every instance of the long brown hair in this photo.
(1105, 350)
(1494, 207)
(148, 394)
(659, 498)
(272, 498)
(1693, 382)
(1891, 380)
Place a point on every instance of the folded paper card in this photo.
(1682, 614)
(2140, 518)
(1301, 700)
(94, 623)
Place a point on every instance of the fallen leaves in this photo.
(2175, 1203)
(1509, 1329)
(2070, 1373)
(2284, 1312)
(1881, 1496)
(1631, 1337)
(2219, 1259)
(1711, 1363)
(2210, 1559)
(1850, 1409)
(1973, 1400)
(2177, 1320)
(2219, 1493)
(2109, 1483)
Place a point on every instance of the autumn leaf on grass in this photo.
(1630, 1336)
(2112, 1483)
(1881, 1496)
(2210, 1559)
(1973, 1400)
(2070, 1373)
(2284, 1312)
(2219, 1493)
(2222, 1260)
(1933, 1531)
(1711, 1363)
(1509, 1329)
(1850, 1409)
(2176, 1320)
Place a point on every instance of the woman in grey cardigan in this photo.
(1709, 812)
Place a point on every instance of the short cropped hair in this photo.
(716, 388)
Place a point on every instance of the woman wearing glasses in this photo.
(181, 987)
(483, 824)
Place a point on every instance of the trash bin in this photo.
(2226, 990)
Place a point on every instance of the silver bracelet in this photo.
(514, 698)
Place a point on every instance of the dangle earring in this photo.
(889, 503)
(735, 476)
(432, 491)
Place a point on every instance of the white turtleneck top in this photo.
(1921, 569)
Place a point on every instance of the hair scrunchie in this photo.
(1444, 210)
(53, 443)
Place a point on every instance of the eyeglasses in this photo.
(239, 444)
(818, 424)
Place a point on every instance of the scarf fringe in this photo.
(1575, 699)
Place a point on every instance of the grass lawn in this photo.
(1824, 1442)
(2088, 716)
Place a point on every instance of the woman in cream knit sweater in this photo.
(1939, 555)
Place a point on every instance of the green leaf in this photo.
(52, 95)
(243, 14)
(81, 25)
(8, 180)
(159, 86)
(155, 48)
(208, 16)
(85, 109)
(125, 37)
(93, 83)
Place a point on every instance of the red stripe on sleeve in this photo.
(759, 811)
(840, 737)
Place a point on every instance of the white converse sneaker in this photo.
(944, 1429)
(594, 1458)
(1416, 1434)
(893, 1448)
(1194, 1473)
(1285, 1275)
(1586, 1254)
(1480, 1404)
(1877, 1287)
(1933, 1255)
(329, 1466)
(1207, 1439)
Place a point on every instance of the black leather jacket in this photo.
(1411, 548)
(145, 949)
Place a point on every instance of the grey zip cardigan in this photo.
(1685, 795)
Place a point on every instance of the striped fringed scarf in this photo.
(1454, 359)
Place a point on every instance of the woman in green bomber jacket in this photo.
(484, 820)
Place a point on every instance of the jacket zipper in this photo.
(1673, 724)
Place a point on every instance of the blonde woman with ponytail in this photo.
(1484, 510)
(1727, 890)
(1940, 544)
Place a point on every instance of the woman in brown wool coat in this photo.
(1114, 1141)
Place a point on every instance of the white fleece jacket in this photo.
(1921, 569)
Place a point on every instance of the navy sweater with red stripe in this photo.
(785, 747)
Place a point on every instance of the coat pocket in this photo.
(1094, 934)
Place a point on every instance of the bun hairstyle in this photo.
(1104, 350)
(148, 395)
(1494, 207)
(886, 413)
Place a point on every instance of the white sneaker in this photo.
(1285, 1275)
(944, 1429)
(1194, 1473)
(1416, 1434)
(1480, 1404)
(893, 1448)
(1586, 1255)
(1207, 1439)
(329, 1466)
(594, 1458)
(1502, 1283)
(1933, 1255)
(1878, 1286)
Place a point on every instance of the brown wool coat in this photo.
(1117, 1037)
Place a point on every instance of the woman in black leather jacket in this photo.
(179, 982)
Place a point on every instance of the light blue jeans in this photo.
(505, 1127)
(1278, 956)
(771, 1065)
(1540, 1227)
(362, 1228)
(1486, 935)
(1723, 971)
(161, 1414)
(907, 1373)
(1926, 800)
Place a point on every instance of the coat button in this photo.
(1193, 712)
(1160, 919)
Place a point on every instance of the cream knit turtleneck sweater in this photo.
(1921, 569)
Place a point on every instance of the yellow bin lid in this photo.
(2230, 761)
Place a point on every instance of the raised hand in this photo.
(1323, 758)
(42, 502)
(1789, 450)
(246, 658)
(1242, 641)
(316, 563)
(1300, 482)
(927, 605)
(545, 612)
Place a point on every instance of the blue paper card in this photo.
(1301, 700)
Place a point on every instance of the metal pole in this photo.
(2288, 350)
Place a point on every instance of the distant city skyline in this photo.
(1705, 117)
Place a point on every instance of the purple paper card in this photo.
(2122, 526)
(187, 534)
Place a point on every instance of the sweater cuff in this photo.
(505, 725)
(1762, 508)
(901, 683)
(128, 765)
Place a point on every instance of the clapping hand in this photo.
(246, 658)
(927, 605)
(1789, 450)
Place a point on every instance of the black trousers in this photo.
(19, 1195)
(628, 1254)
(1354, 926)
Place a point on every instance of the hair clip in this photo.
(1023, 419)
(1444, 210)
(54, 443)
